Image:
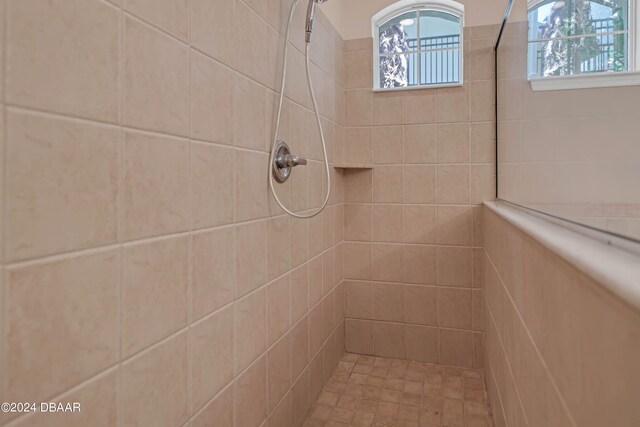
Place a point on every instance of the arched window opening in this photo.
(418, 44)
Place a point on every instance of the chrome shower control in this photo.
(283, 161)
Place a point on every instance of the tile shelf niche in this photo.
(353, 166)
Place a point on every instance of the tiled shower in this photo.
(149, 275)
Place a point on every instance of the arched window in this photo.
(418, 44)
(570, 37)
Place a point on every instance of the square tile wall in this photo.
(555, 338)
(142, 250)
(413, 239)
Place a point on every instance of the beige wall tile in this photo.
(251, 186)
(358, 70)
(454, 266)
(478, 313)
(388, 302)
(163, 369)
(328, 271)
(453, 184)
(250, 329)
(419, 224)
(453, 104)
(251, 386)
(153, 60)
(278, 371)
(250, 43)
(419, 106)
(482, 59)
(387, 108)
(212, 170)
(299, 292)
(483, 142)
(358, 261)
(387, 262)
(300, 399)
(420, 305)
(61, 186)
(419, 184)
(483, 183)
(169, 15)
(316, 236)
(358, 223)
(328, 315)
(456, 347)
(211, 98)
(212, 28)
(315, 377)
(359, 336)
(422, 343)
(278, 246)
(315, 281)
(387, 144)
(48, 69)
(454, 308)
(154, 292)
(53, 310)
(98, 403)
(299, 347)
(156, 182)
(387, 223)
(359, 186)
(358, 145)
(482, 103)
(316, 337)
(358, 107)
(388, 184)
(329, 226)
(389, 339)
(278, 308)
(420, 144)
(213, 280)
(454, 225)
(359, 299)
(251, 257)
(281, 416)
(420, 264)
(249, 114)
(453, 143)
(218, 411)
(211, 356)
(299, 241)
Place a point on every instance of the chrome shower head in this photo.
(311, 14)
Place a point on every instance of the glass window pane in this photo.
(575, 17)
(398, 70)
(564, 57)
(396, 35)
(556, 48)
(438, 24)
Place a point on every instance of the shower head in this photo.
(311, 12)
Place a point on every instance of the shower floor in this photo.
(371, 391)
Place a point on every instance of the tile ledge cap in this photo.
(616, 270)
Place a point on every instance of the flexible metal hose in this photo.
(278, 117)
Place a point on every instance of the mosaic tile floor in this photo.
(368, 391)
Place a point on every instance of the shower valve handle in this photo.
(289, 160)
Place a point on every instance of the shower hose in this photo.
(317, 114)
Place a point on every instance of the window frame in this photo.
(403, 6)
(601, 79)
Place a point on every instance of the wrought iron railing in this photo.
(436, 61)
